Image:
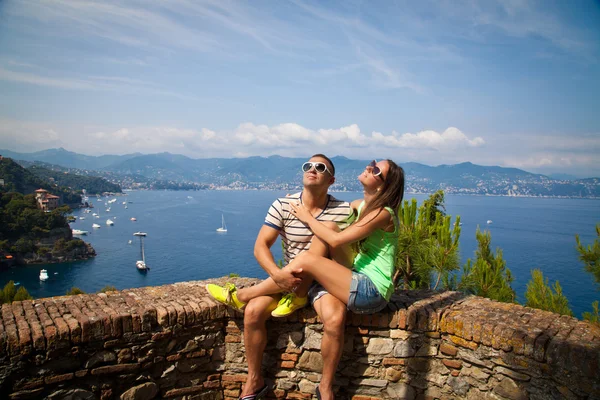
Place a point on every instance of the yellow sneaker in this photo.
(288, 304)
(226, 295)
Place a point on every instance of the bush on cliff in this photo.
(540, 294)
(74, 291)
(10, 293)
(488, 275)
(590, 256)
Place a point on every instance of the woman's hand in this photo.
(301, 212)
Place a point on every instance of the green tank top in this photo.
(377, 256)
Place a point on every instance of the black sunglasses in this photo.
(319, 167)
(375, 170)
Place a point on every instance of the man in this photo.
(319, 175)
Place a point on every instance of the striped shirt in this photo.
(295, 235)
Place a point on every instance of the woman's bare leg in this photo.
(334, 277)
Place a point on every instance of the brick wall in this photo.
(174, 342)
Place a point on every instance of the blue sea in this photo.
(182, 242)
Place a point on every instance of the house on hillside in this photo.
(45, 200)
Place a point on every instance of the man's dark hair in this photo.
(328, 160)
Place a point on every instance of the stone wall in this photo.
(172, 341)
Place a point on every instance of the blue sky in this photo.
(512, 83)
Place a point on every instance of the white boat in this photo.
(43, 275)
(108, 209)
(79, 232)
(124, 202)
(223, 227)
(489, 221)
(94, 214)
(96, 226)
(109, 222)
(133, 219)
(141, 264)
(130, 241)
(81, 217)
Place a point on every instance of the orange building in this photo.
(45, 200)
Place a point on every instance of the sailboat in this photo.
(223, 227)
(141, 264)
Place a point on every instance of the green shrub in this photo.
(108, 288)
(74, 291)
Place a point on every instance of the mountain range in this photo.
(276, 172)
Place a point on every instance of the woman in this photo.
(366, 288)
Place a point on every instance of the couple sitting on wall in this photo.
(335, 263)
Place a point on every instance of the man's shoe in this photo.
(226, 294)
(288, 304)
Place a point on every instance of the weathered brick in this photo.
(462, 342)
(448, 349)
(58, 378)
(452, 363)
(115, 369)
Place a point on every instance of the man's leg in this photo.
(256, 313)
(333, 315)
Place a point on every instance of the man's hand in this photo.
(286, 280)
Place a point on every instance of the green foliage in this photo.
(435, 204)
(234, 275)
(22, 294)
(540, 294)
(74, 291)
(428, 243)
(10, 293)
(488, 275)
(594, 316)
(445, 256)
(18, 179)
(415, 245)
(92, 184)
(590, 255)
(108, 288)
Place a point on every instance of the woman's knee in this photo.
(334, 321)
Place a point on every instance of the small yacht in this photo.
(489, 221)
(141, 264)
(133, 219)
(96, 226)
(109, 222)
(79, 232)
(43, 275)
(223, 227)
(81, 217)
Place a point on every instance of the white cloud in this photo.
(294, 140)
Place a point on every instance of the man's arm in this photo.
(262, 252)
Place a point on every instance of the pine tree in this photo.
(415, 246)
(445, 253)
(540, 294)
(22, 294)
(488, 276)
(590, 256)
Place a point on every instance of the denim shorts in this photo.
(315, 292)
(364, 296)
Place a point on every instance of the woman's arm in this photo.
(377, 219)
